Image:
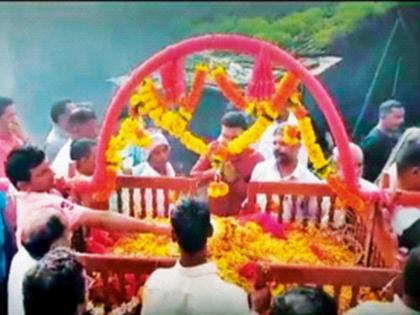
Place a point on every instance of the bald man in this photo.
(358, 160)
(357, 154)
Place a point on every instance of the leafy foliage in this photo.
(306, 32)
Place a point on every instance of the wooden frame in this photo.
(379, 264)
(362, 223)
(179, 185)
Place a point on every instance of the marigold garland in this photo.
(346, 196)
(291, 135)
(217, 188)
(131, 132)
(323, 166)
(148, 101)
(230, 90)
(286, 87)
(196, 92)
(235, 244)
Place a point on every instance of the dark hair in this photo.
(80, 148)
(304, 301)
(411, 274)
(20, 162)
(39, 242)
(235, 119)
(4, 102)
(55, 285)
(59, 108)
(191, 223)
(81, 115)
(409, 156)
(386, 107)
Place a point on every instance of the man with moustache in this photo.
(283, 166)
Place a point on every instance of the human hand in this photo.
(260, 300)
(163, 230)
(16, 128)
(229, 172)
(62, 186)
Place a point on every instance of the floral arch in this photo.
(261, 97)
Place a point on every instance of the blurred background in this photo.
(79, 50)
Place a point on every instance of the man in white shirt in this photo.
(57, 137)
(193, 285)
(408, 303)
(46, 231)
(357, 154)
(157, 165)
(265, 144)
(358, 160)
(284, 166)
(82, 124)
(405, 221)
(29, 172)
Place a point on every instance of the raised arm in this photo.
(112, 221)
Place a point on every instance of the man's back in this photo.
(61, 163)
(193, 290)
(54, 142)
(377, 147)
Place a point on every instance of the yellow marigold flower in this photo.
(194, 143)
(249, 136)
(201, 67)
(185, 114)
(156, 114)
(217, 189)
(219, 70)
(134, 100)
(267, 108)
(251, 108)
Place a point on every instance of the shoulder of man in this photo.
(373, 137)
(383, 308)
(155, 278)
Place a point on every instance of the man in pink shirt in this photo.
(236, 172)
(11, 133)
(29, 172)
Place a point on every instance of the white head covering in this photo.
(157, 139)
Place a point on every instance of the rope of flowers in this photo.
(148, 100)
(174, 116)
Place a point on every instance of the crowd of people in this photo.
(40, 275)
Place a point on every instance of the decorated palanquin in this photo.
(352, 261)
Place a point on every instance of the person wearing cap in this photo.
(156, 165)
(59, 134)
(380, 141)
